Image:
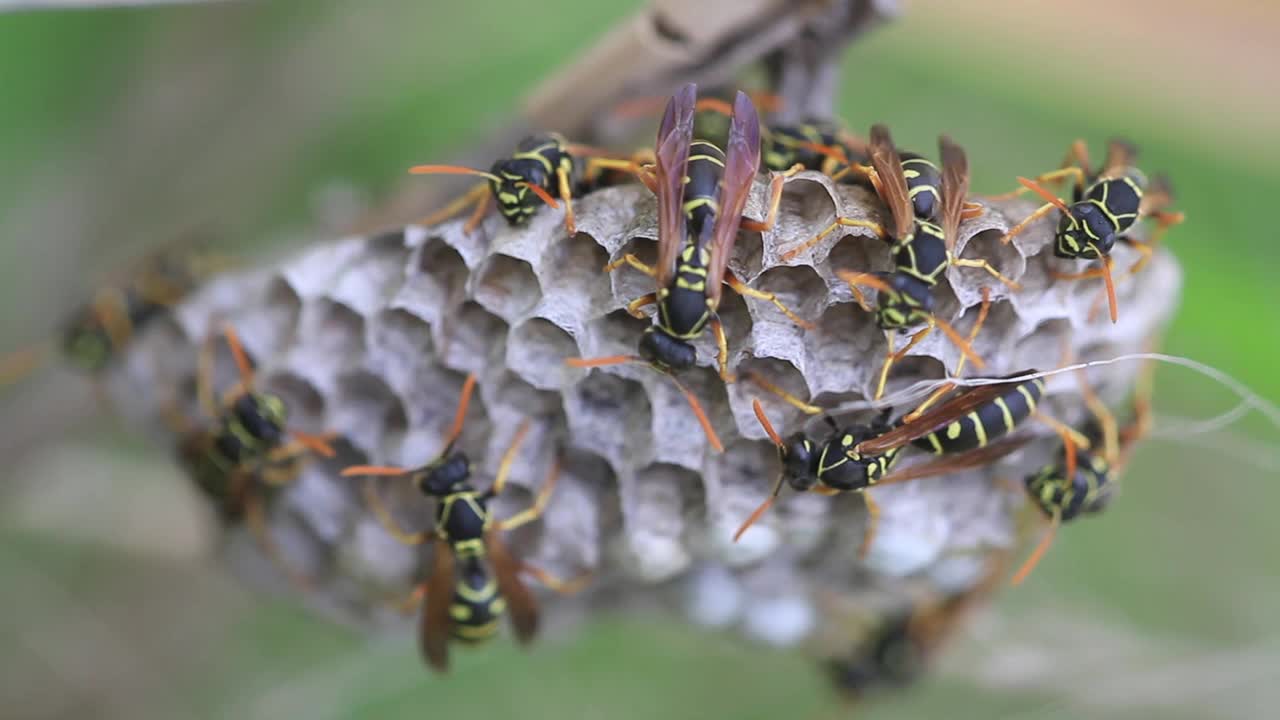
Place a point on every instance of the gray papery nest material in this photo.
(371, 337)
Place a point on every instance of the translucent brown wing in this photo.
(1158, 195)
(893, 184)
(675, 134)
(955, 187)
(1121, 155)
(436, 623)
(968, 460)
(938, 417)
(742, 161)
(520, 602)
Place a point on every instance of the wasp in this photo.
(1083, 482)
(902, 647)
(543, 167)
(96, 332)
(1105, 205)
(474, 578)
(248, 453)
(922, 249)
(701, 192)
(963, 432)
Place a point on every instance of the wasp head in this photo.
(262, 415)
(799, 457)
(444, 474)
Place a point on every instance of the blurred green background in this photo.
(121, 127)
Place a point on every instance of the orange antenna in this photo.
(460, 416)
(542, 194)
(20, 363)
(760, 511)
(698, 412)
(315, 443)
(602, 361)
(1111, 288)
(1038, 553)
(237, 352)
(451, 170)
(764, 422)
(379, 470)
(1049, 197)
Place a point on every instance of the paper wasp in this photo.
(1105, 205)
(902, 647)
(922, 249)
(249, 453)
(100, 329)
(963, 432)
(1084, 482)
(543, 167)
(474, 577)
(702, 192)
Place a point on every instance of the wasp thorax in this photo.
(666, 351)
(444, 475)
(262, 415)
(86, 346)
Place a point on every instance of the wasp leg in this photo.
(839, 222)
(787, 397)
(873, 524)
(380, 511)
(539, 506)
(633, 261)
(741, 288)
(255, 518)
(775, 201)
(476, 195)
(722, 349)
(983, 311)
(566, 194)
(965, 262)
(1074, 172)
(633, 307)
(563, 587)
(1017, 229)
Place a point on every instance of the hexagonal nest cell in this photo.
(645, 497)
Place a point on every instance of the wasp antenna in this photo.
(378, 470)
(1037, 554)
(237, 352)
(760, 511)
(315, 443)
(20, 363)
(1049, 197)
(764, 422)
(698, 412)
(451, 170)
(1111, 290)
(460, 416)
(543, 195)
(602, 361)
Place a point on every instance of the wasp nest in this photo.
(372, 337)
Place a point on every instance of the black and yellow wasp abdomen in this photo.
(992, 419)
(477, 605)
(87, 341)
(702, 187)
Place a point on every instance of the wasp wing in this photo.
(675, 134)
(742, 161)
(939, 417)
(892, 183)
(1158, 195)
(436, 621)
(968, 460)
(955, 187)
(520, 602)
(1121, 155)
